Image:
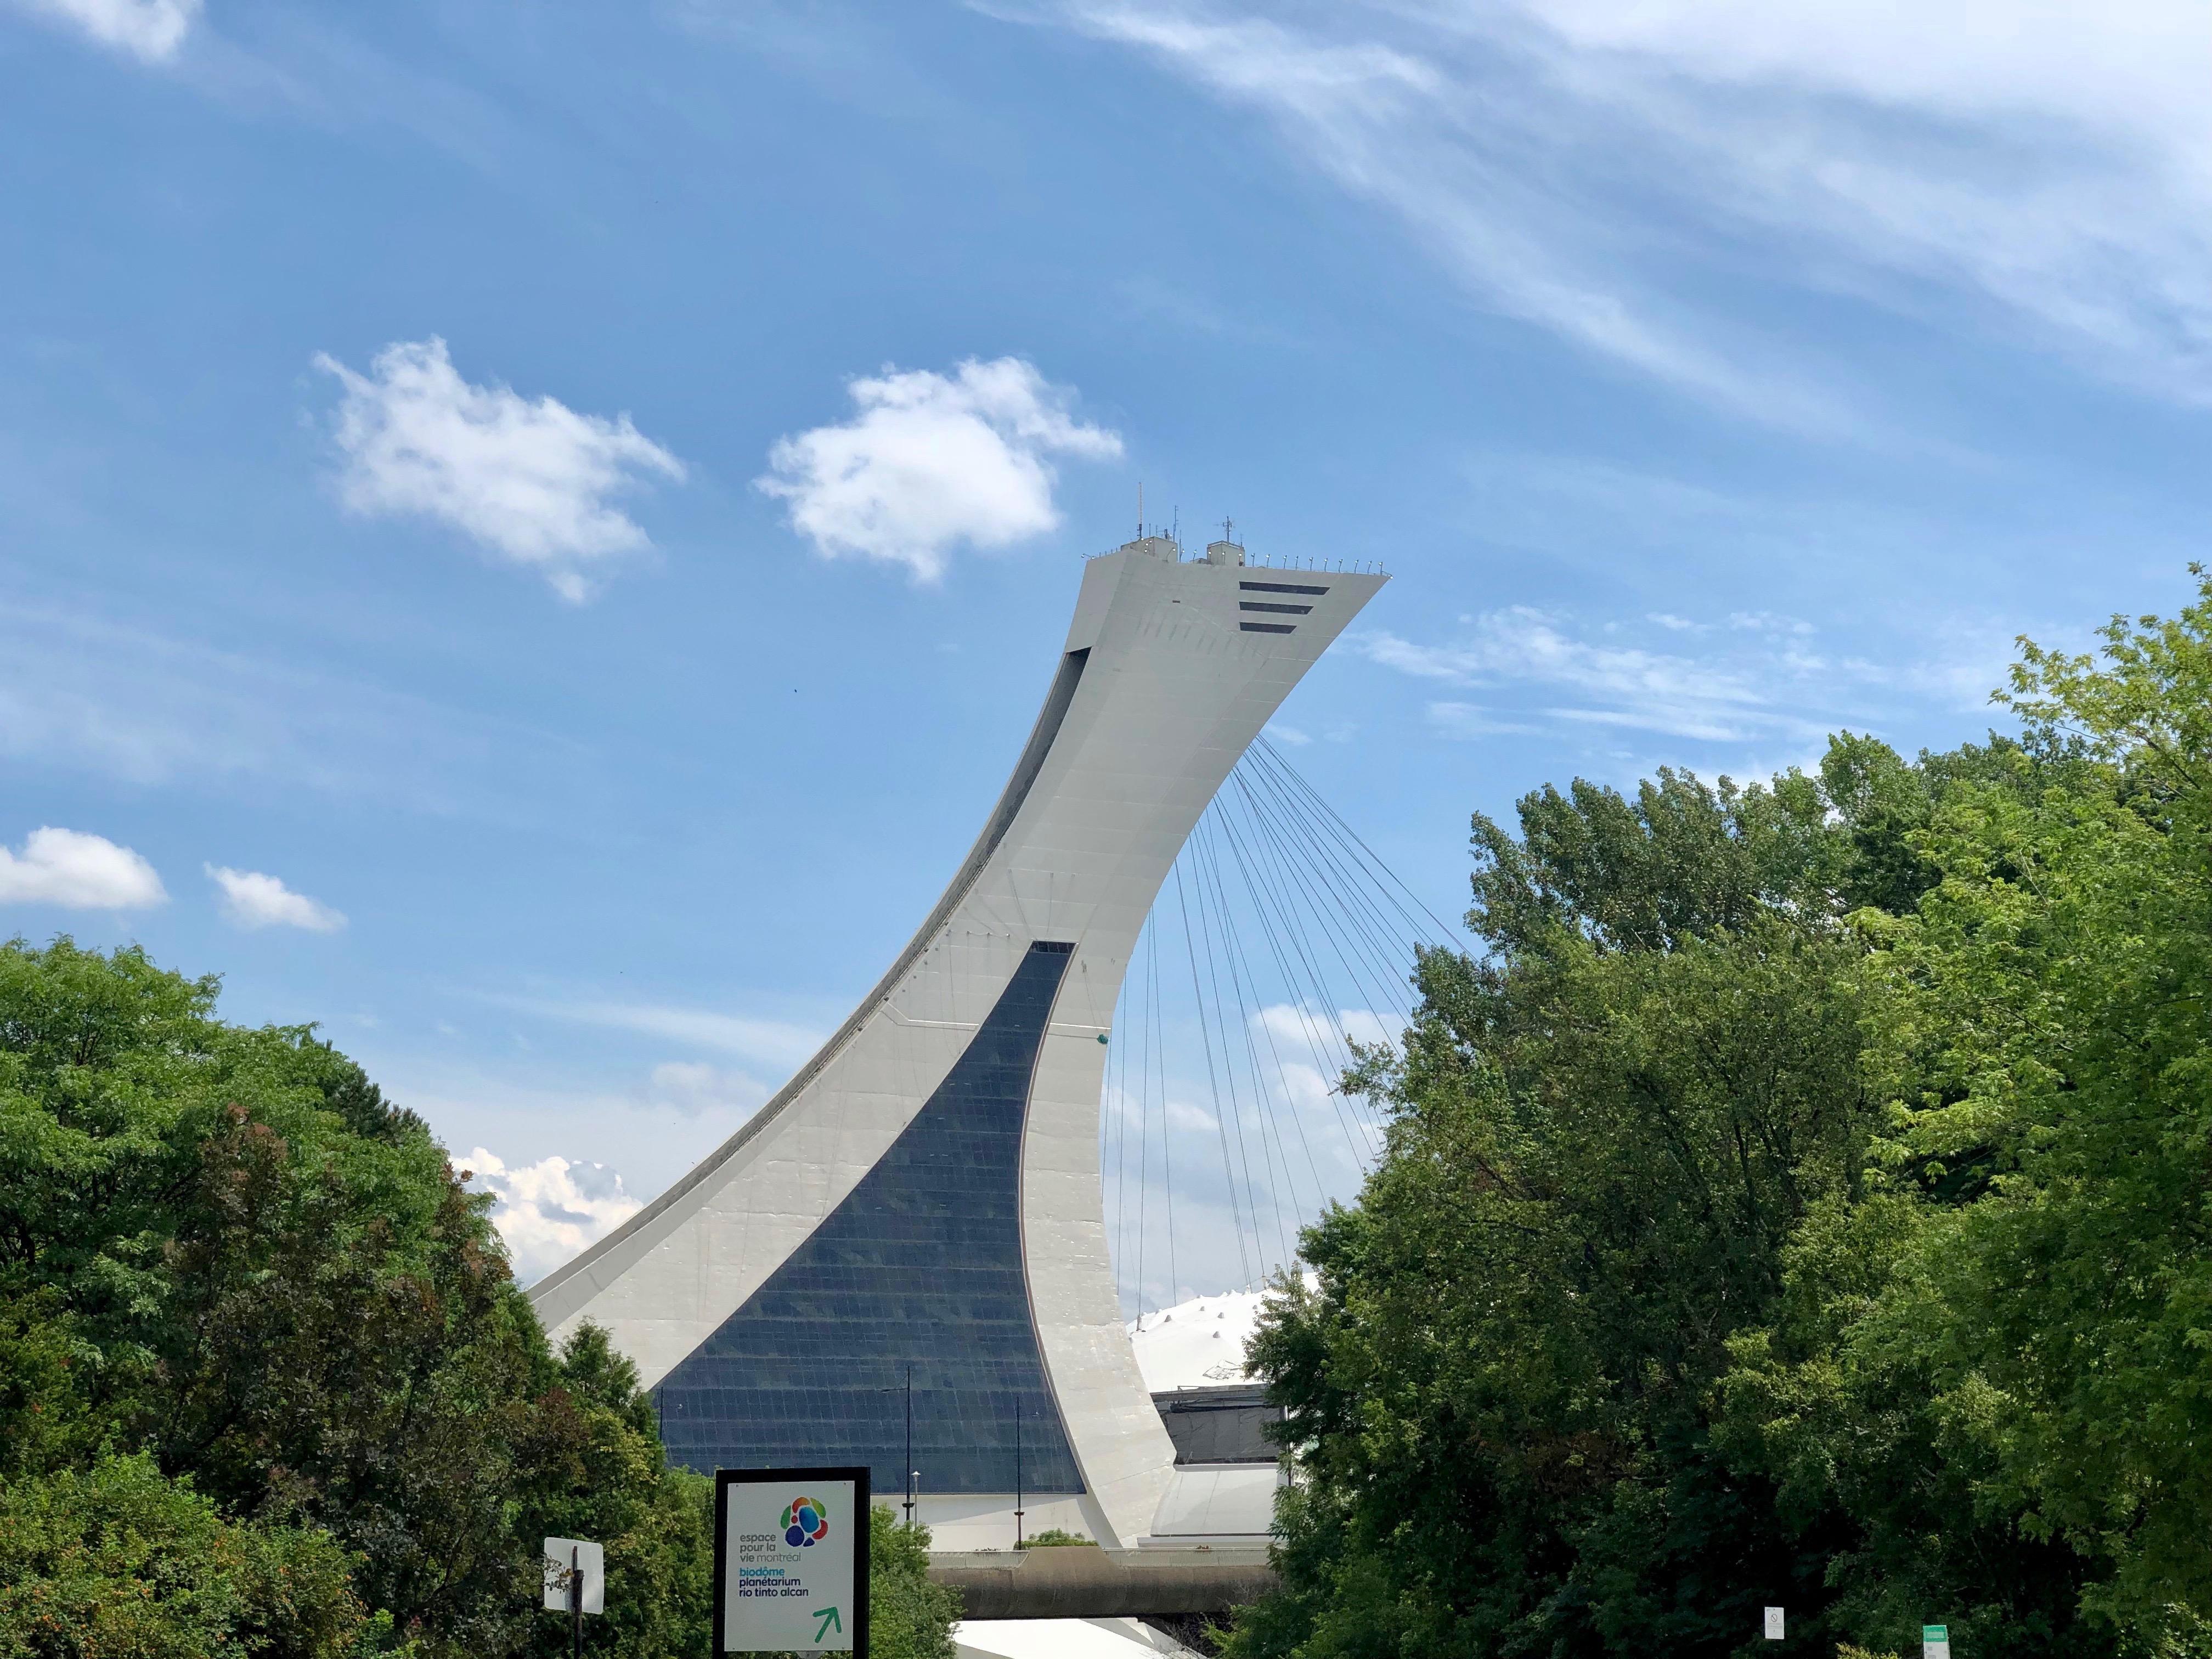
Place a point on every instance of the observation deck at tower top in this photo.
(1168, 550)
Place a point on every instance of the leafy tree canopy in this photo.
(1801, 1201)
(252, 1321)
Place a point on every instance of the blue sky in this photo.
(532, 534)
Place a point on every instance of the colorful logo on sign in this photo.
(805, 1521)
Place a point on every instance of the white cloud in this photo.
(932, 460)
(251, 900)
(1288, 734)
(1197, 1119)
(80, 872)
(1292, 1022)
(1604, 168)
(149, 30)
(529, 481)
(550, 1211)
(693, 1087)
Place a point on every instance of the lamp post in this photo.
(912, 1474)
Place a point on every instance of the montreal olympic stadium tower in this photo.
(913, 1224)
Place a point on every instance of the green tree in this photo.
(115, 1562)
(1539, 1397)
(1602, 1137)
(2019, 1320)
(604, 1478)
(909, 1617)
(221, 1246)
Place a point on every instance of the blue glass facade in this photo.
(921, 1266)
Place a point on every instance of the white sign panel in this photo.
(1774, 1624)
(1934, 1642)
(588, 1562)
(793, 1550)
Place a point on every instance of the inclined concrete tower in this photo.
(916, 1218)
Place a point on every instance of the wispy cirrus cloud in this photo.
(87, 693)
(775, 1044)
(930, 461)
(1607, 169)
(1525, 651)
(1754, 684)
(694, 1087)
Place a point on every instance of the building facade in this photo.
(902, 1258)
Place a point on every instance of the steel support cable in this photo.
(1352, 854)
(1201, 847)
(1331, 1005)
(1388, 945)
(1446, 932)
(1350, 933)
(1361, 1143)
(1249, 1016)
(1390, 948)
(1233, 950)
(1228, 1057)
(1300, 875)
(1305, 861)
(1293, 915)
(1337, 854)
(1213, 1086)
(1342, 852)
(1259, 1018)
(1302, 797)
(1311, 985)
(1295, 849)
(1311, 997)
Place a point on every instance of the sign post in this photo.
(575, 1584)
(1934, 1642)
(791, 1560)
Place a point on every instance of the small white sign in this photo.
(582, 1560)
(1934, 1642)
(1774, 1624)
(788, 1560)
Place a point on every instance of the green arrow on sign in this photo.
(829, 1621)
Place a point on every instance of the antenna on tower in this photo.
(1140, 509)
(1228, 527)
(1174, 525)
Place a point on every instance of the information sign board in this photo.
(1774, 1624)
(580, 1563)
(1934, 1642)
(791, 1560)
